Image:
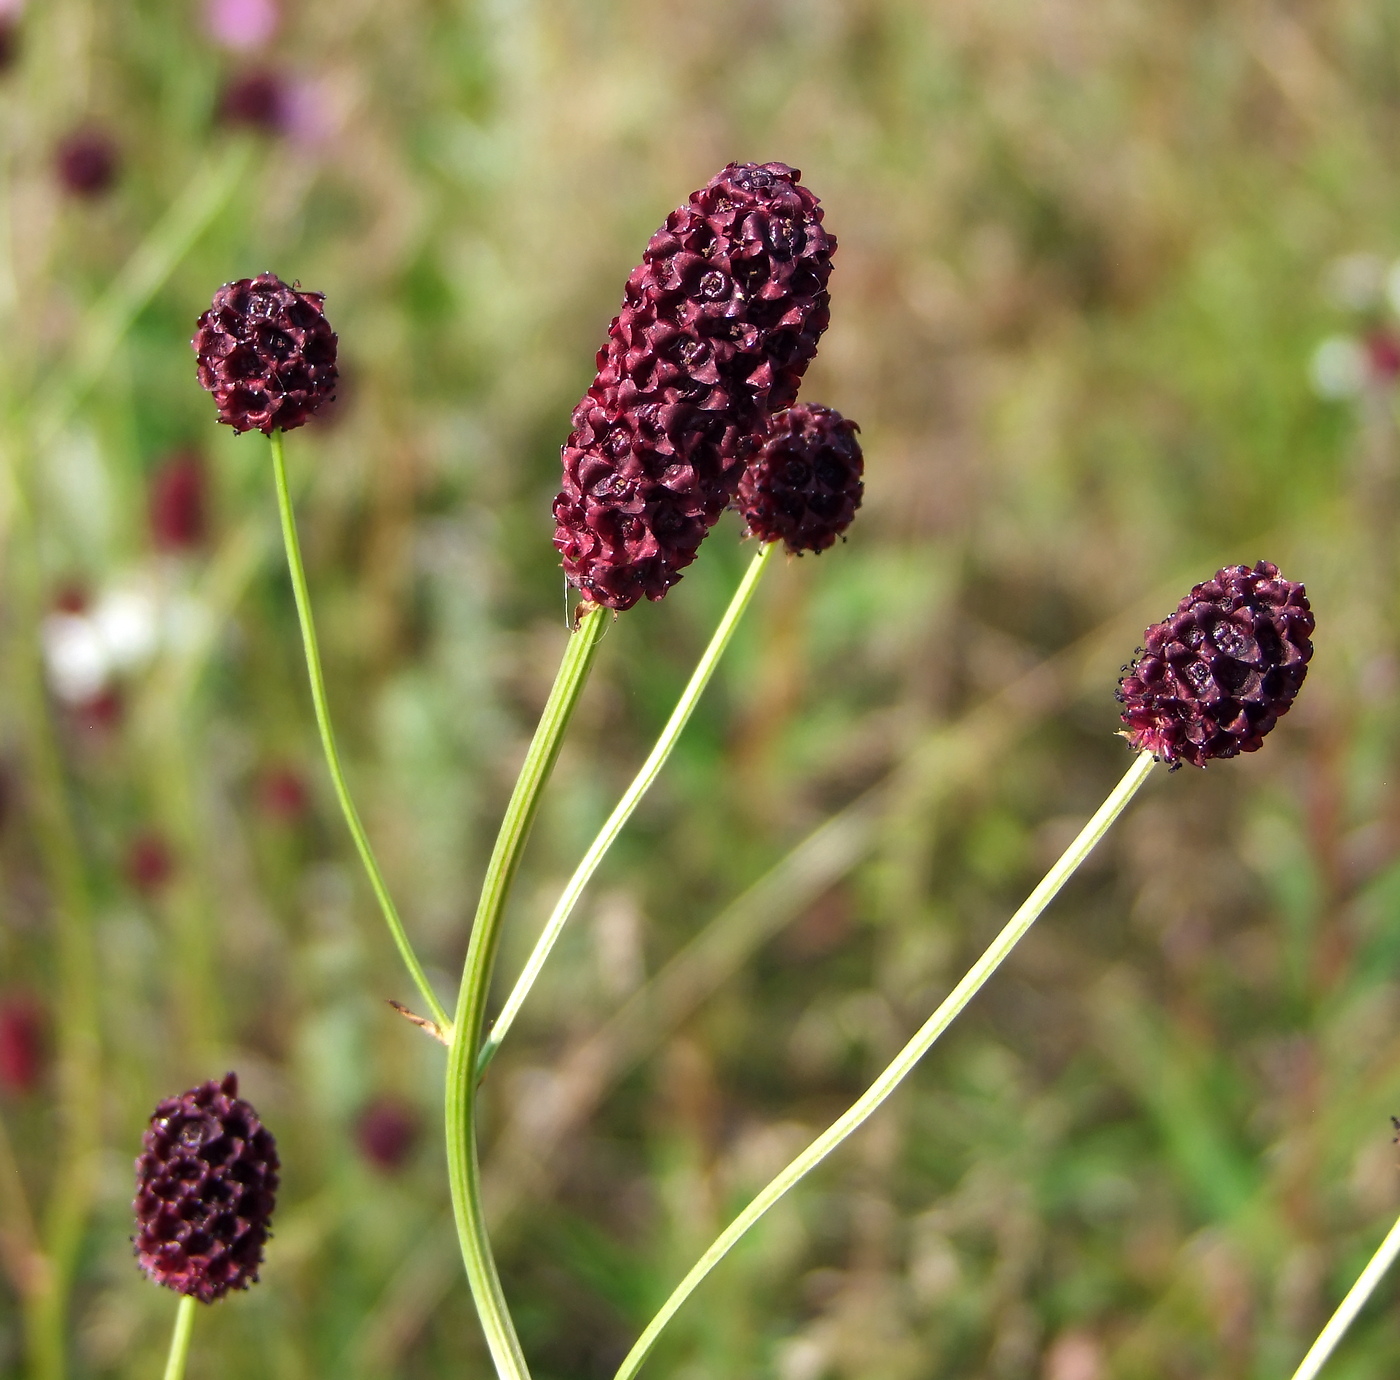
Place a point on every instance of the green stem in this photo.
(641, 784)
(323, 722)
(903, 1063)
(463, 1168)
(180, 1339)
(1355, 1300)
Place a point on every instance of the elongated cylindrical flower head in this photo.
(804, 485)
(267, 354)
(206, 1184)
(717, 325)
(1215, 677)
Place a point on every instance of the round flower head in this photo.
(87, 163)
(804, 485)
(1217, 675)
(717, 325)
(206, 1184)
(267, 354)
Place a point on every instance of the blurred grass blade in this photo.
(143, 275)
(631, 798)
(1350, 1306)
(904, 1062)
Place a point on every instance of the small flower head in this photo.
(804, 485)
(149, 863)
(387, 1131)
(283, 795)
(267, 354)
(717, 325)
(241, 24)
(178, 502)
(21, 1043)
(258, 99)
(206, 1184)
(1215, 677)
(86, 162)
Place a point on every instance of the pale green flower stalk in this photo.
(903, 1063)
(180, 1339)
(328, 744)
(631, 798)
(1331, 1335)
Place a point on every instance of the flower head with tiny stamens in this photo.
(804, 485)
(1215, 677)
(718, 324)
(267, 354)
(206, 1184)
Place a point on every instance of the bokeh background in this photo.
(1113, 305)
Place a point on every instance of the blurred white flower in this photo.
(1356, 282)
(129, 623)
(241, 24)
(1338, 367)
(75, 657)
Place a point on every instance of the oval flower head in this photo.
(206, 1184)
(804, 485)
(1215, 677)
(267, 354)
(717, 325)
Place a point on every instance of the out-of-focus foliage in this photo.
(1087, 253)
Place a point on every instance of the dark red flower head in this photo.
(178, 502)
(282, 794)
(717, 325)
(86, 163)
(21, 1044)
(206, 1184)
(1218, 674)
(149, 864)
(387, 1131)
(267, 354)
(9, 40)
(804, 485)
(257, 99)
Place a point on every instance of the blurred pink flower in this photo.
(21, 1043)
(241, 24)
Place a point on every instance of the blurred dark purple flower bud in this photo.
(9, 39)
(178, 502)
(387, 1132)
(149, 863)
(804, 485)
(267, 354)
(1217, 675)
(259, 99)
(86, 162)
(22, 1043)
(206, 1185)
(717, 326)
(283, 795)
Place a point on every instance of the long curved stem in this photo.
(323, 722)
(463, 1169)
(180, 1339)
(1350, 1306)
(641, 784)
(903, 1063)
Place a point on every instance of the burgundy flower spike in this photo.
(804, 485)
(206, 1183)
(267, 354)
(1218, 674)
(717, 325)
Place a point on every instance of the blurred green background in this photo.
(1112, 306)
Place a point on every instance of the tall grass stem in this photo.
(180, 1339)
(1350, 1306)
(641, 784)
(904, 1062)
(323, 723)
(463, 1167)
